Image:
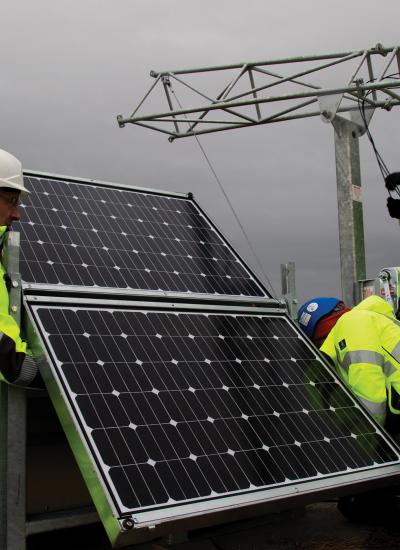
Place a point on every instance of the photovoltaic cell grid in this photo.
(186, 406)
(85, 235)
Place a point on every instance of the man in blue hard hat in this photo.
(363, 345)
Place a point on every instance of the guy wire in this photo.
(381, 163)
(266, 278)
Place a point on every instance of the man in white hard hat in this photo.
(17, 365)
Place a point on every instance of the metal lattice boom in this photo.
(344, 79)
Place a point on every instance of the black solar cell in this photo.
(179, 407)
(87, 235)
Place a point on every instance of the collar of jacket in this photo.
(376, 304)
(3, 231)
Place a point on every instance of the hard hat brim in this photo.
(14, 185)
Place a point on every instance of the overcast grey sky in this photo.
(69, 67)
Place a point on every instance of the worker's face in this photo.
(9, 207)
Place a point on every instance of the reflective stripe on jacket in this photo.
(16, 365)
(364, 346)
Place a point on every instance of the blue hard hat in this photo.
(312, 311)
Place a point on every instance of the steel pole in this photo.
(13, 429)
(350, 211)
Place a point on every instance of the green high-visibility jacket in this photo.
(16, 364)
(364, 346)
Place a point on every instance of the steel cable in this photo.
(221, 187)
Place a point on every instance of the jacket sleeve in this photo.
(361, 362)
(391, 345)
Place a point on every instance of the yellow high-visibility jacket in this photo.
(364, 346)
(16, 364)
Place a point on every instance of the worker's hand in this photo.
(16, 367)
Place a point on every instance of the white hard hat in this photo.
(11, 173)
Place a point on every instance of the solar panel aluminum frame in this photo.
(102, 183)
(146, 525)
(48, 288)
(244, 301)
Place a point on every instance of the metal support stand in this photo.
(12, 467)
(288, 277)
(13, 431)
(351, 227)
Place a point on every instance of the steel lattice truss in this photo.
(237, 96)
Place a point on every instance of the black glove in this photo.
(392, 181)
(16, 367)
(393, 206)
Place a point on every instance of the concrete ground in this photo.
(316, 527)
(321, 527)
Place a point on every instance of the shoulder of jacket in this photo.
(359, 316)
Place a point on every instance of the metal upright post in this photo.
(288, 276)
(350, 212)
(13, 430)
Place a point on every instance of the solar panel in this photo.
(86, 235)
(190, 407)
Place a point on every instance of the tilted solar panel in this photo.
(79, 234)
(190, 407)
